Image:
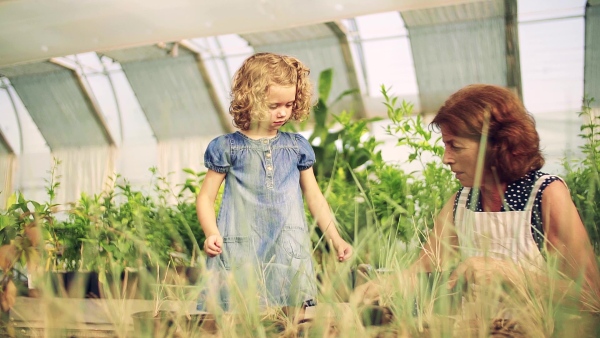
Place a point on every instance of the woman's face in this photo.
(461, 155)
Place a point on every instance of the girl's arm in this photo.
(568, 241)
(319, 209)
(205, 208)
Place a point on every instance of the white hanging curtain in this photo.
(177, 154)
(8, 165)
(89, 170)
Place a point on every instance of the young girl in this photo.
(261, 221)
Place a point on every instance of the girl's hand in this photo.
(213, 245)
(343, 249)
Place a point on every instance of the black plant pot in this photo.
(198, 324)
(376, 315)
(7, 328)
(75, 284)
(149, 324)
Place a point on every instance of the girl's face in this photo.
(460, 154)
(280, 101)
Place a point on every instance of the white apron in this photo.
(503, 235)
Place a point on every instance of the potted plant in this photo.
(157, 322)
(20, 242)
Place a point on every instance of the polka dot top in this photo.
(516, 196)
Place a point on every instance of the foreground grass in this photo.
(419, 307)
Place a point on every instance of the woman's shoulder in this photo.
(532, 177)
(544, 178)
(534, 180)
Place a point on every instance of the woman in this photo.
(507, 210)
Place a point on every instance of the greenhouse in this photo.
(107, 109)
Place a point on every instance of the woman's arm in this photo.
(205, 208)
(437, 253)
(568, 241)
(440, 250)
(319, 209)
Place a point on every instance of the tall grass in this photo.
(135, 241)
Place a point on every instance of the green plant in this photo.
(363, 190)
(27, 232)
(379, 205)
(583, 179)
(434, 184)
(21, 239)
(342, 146)
(332, 143)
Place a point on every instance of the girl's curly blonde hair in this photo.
(251, 84)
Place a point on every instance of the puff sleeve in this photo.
(306, 154)
(217, 156)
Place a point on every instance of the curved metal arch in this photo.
(19, 126)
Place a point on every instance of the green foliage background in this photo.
(379, 207)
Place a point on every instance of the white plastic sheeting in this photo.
(177, 154)
(89, 170)
(8, 165)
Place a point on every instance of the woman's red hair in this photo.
(513, 144)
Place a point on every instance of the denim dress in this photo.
(266, 243)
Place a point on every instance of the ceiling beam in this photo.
(513, 61)
(4, 143)
(224, 116)
(340, 32)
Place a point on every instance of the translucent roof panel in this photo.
(382, 49)
(94, 74)
(552, 55)
(536, 10)
(171, 90)
(117, 102)
(592, 54)
(222, 56)
(320, 47)
(20, 131)
(9, 126)
(454, 46)
(58, 103)
(122, 104)
(551, 39)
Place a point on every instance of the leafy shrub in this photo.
(583, 179)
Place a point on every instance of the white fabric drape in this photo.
(87, 170)
(177, 154)
(8, 165)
